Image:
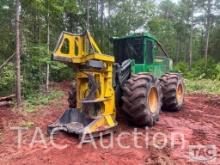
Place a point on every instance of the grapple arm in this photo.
(74, 48)
(95, 96)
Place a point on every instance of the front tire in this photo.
(141, 100)
(173, 91)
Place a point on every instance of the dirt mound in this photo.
(199, 122)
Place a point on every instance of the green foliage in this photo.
(133, 14)
(218, 71)
(200, 70)
(34, 67)
(35, 49)
(170, 22)
(183, 68)
(38, 99)
(7, 80)
(7, 32)
(203, 86)
(214, 42)
(61, 72)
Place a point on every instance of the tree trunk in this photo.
(18, 68)
(102, 21)
(109, 19)
(185, 50)
(209, 5)
(190, 46)
(202, 44)
(181, 50)
(48, 48)
(206, 45)
(87, 15)
(47, 78)
(177, 48)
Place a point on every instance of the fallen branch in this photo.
(7, 61)
(7, 98)
(5, 103)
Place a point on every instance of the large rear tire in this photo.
(142, 99)
(173, 91)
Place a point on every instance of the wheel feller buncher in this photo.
(136, 81)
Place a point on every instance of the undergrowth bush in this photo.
(7, 80)
(200, 70)
(218, 71)
(202, 86)
(202, 78)
(60, 72)
(33, 67)
(35, 100)
(183, 68)
(34, 64)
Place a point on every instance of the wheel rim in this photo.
(153, 100)
(179, 93)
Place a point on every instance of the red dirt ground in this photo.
(199, 122)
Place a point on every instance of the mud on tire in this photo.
(142, 99)
(173, 91)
